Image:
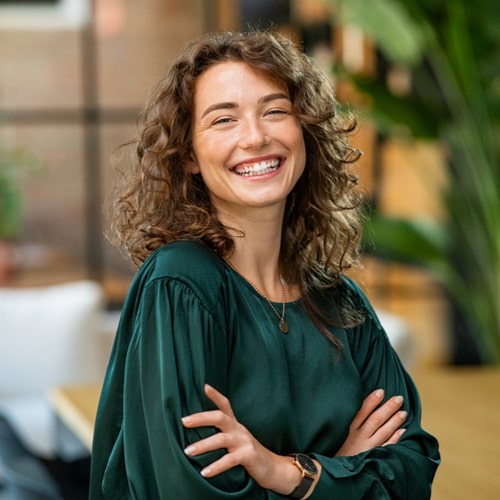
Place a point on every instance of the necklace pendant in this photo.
(283, 326)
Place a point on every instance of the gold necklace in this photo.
(282, 325)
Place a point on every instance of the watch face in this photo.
(307, 463)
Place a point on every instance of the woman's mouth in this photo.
(259, 168)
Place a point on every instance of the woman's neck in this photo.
(256, 254)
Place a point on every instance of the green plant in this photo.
(14, 164)
(450, 50)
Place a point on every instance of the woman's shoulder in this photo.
(350, 287)
(357, 295)
(369, 324)
(190, 263)
(185, 257)
(351, 305)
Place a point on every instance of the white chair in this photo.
(48, 336)
(399, 336)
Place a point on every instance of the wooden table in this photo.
(76, 407)
(461, 407)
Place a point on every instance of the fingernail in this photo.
(186, 420)
(206, 471)
(403, 415)
(398, 399)
(379, 393)
(190, 449)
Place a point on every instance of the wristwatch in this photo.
(308, 469)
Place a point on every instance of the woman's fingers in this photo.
(378, 418)
(219, 400)
(369, 405)
(211, 443)
(371, 418)
(394, 439)
(387, 430)
(226, 462)
(233, 437)
(375, 424)
(214, 418)
(220, 418)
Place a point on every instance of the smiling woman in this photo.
(246, 365)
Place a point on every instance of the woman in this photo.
(246, 365)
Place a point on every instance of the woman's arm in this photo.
(169, 343)
(373, 425)
(403, 470)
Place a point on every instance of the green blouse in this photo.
(189, 319)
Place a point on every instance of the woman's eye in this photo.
(223, 119)
(277, 112)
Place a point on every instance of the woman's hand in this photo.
(269, 470)
(373, 426)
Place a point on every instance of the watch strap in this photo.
(307, 476)
(302, 488)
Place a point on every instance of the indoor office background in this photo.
(74, 75)
(71, 91)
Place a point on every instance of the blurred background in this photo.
(424, 77)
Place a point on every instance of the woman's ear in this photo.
(192, 165)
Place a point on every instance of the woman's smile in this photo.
(258, 168)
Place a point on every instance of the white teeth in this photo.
(263, 167)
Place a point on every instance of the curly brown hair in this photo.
(162, 202)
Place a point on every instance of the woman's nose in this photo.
(254, 135)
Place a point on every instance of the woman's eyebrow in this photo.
(219, 105)
(274, 97)
(232, 105)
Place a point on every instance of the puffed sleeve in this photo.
(402, 471)
(178, 347)
(172, 340)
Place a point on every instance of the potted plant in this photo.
(450, 52)
(14, 164)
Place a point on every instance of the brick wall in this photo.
(44, 87)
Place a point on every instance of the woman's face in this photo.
(248, 144)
